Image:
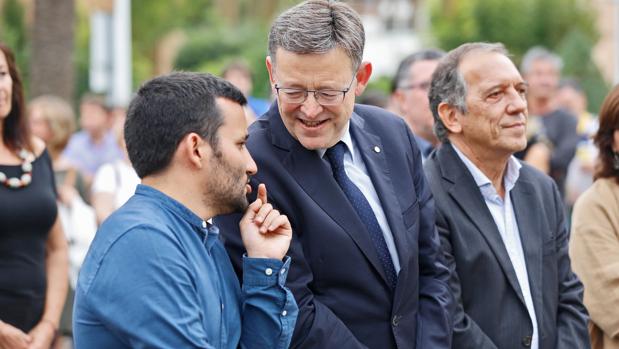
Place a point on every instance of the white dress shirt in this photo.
(505, 218)
(358, 174)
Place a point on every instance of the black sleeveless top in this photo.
(26, 217)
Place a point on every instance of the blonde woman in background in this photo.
(594, 245)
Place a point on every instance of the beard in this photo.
(226, 187)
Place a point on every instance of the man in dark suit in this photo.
(368, 271)
(501, 222)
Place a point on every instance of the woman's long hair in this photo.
(15, 129)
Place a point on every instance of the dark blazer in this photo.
(491, 312)
(343, 296)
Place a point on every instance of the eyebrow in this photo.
(504, 85)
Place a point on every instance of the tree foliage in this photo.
(13, 33)
(566, 26)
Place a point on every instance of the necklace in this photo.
(26, 166)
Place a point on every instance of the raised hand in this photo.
(266, 233)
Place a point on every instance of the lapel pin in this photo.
(376, 149)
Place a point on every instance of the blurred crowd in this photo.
(94, 177)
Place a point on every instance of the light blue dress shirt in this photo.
(505, 218)
(157, 276)
(358, 174)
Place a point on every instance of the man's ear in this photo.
(193, 150)
(363, 76)
(270, 67)
(450, 116)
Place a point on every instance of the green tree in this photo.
(13, 33)
(565, 26)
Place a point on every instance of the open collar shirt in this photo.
(505, 218)
(158, 276)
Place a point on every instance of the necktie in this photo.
(335, 155)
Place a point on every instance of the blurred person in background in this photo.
(410, 87)
(52, 119)
(594, 245)
(33, 249)
(240, 75)
(573, 98)
(95, 144)
(552, 137)
(114, 182)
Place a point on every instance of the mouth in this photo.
(312, 124)
(515, 125)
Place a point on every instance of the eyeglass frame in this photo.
(307, 92)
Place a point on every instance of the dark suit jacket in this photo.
(491, 312)
(343, 296)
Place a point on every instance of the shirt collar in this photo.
(509, 179)
(346, 139)
(176, 207)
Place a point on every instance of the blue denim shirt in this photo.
(157, 276)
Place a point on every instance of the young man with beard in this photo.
(157, 274)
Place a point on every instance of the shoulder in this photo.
(600, 194)
(536, 177)
(377, 116)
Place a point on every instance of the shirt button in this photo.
(222, 306)
(204, 224)
(269, 271)
(284, 313)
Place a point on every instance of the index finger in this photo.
(262, 193)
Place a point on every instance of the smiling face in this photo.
(313, 125)
(6, 87)
(495, 122)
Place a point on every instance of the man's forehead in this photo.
(488, 68)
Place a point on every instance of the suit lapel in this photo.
(316, 179)
(378, 170)
(464, 191)
(528, 217)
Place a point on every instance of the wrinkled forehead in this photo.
(483, 68)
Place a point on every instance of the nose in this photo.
(310, 106)
(517, 103)
(251, 167)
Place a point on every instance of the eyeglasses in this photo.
(424, 86)
(325, 97)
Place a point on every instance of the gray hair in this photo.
(316, 27)
(410, 60)
(448, 84)
(537, 53)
